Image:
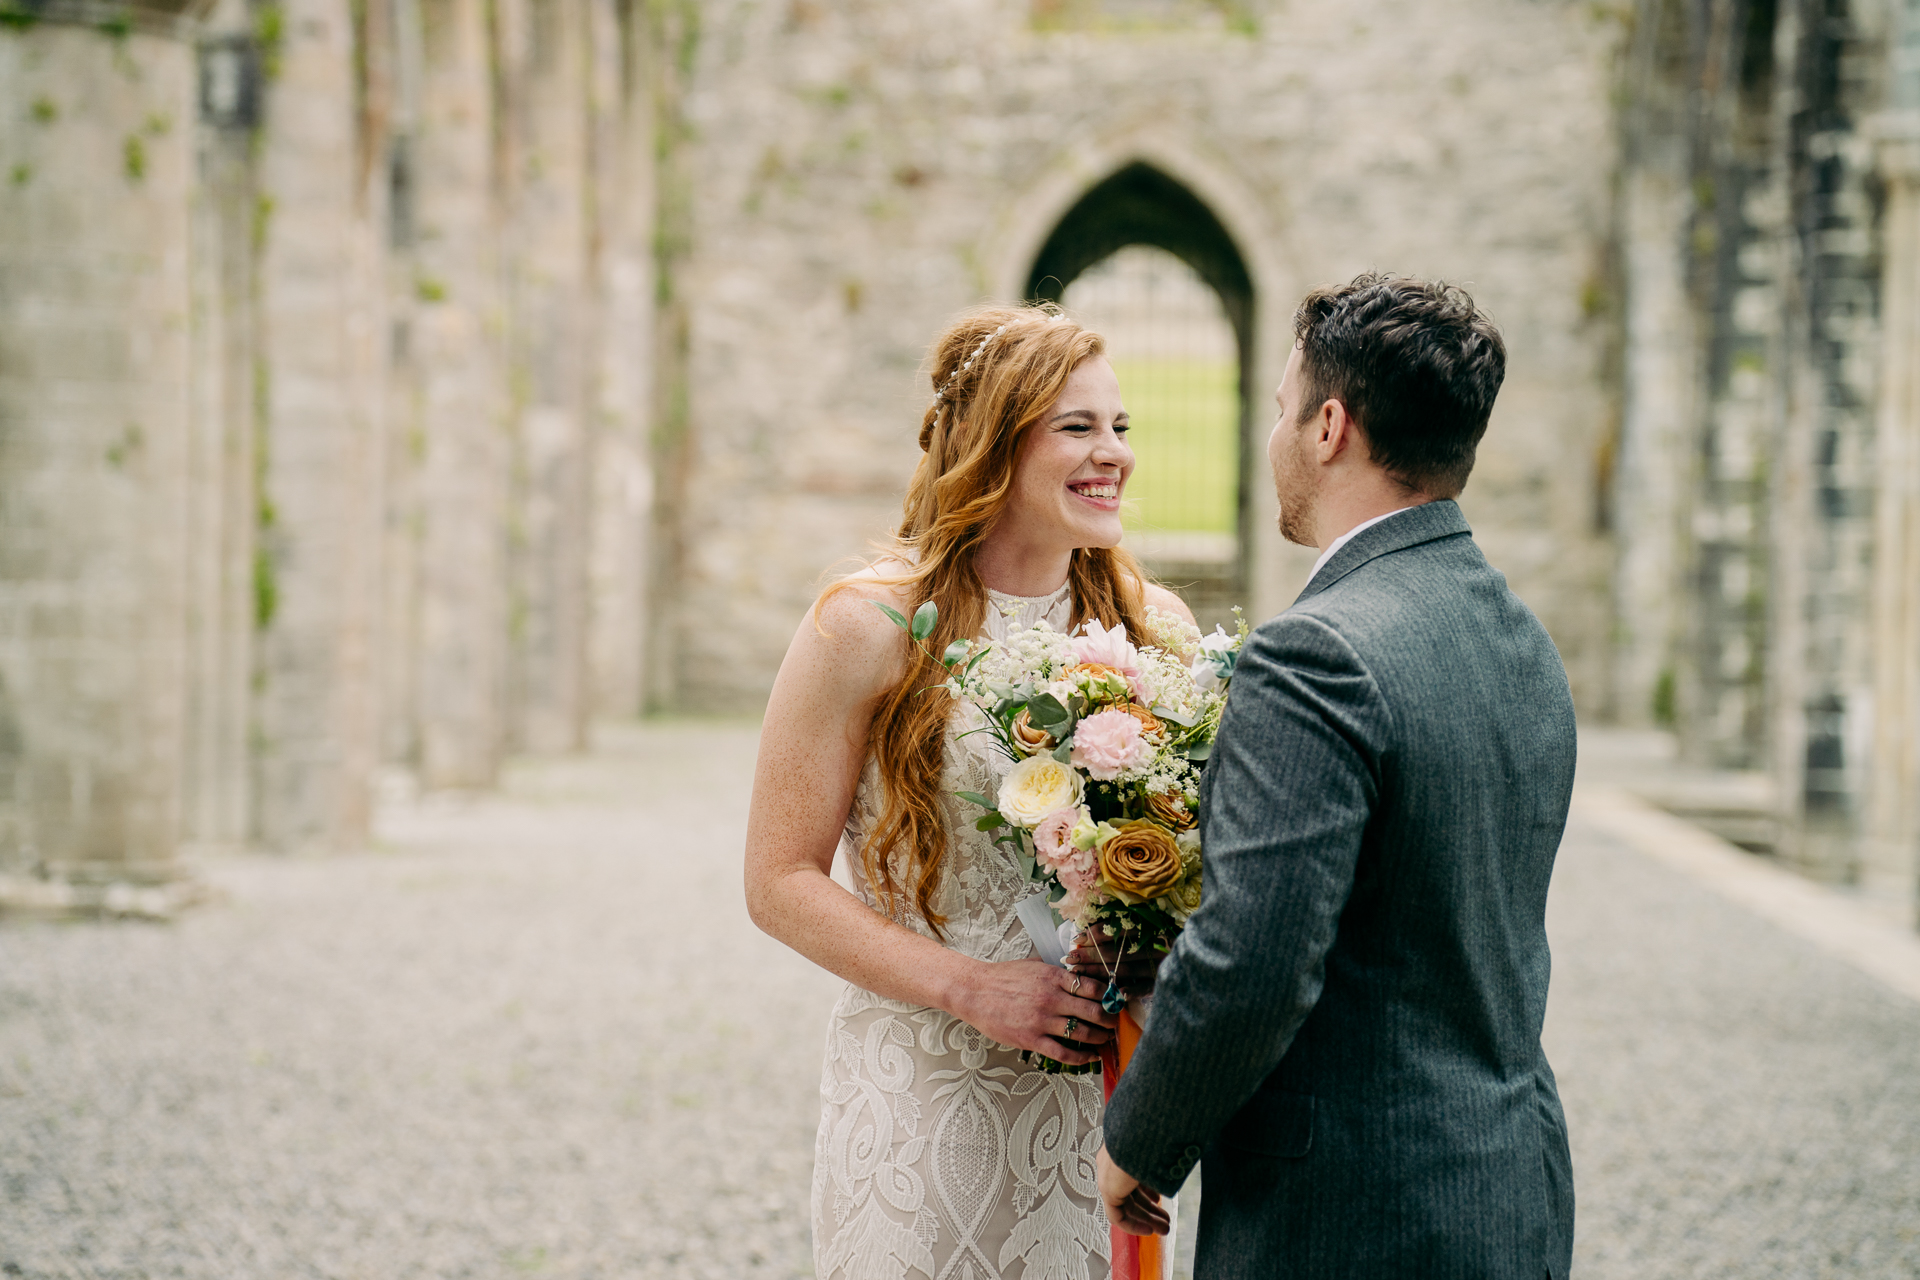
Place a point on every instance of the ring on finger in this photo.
(1076, 984)
(1072, 1022)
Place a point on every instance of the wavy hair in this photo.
(996, 372)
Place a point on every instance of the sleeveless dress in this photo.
(940, 1153)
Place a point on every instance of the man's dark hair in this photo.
(1416, 364)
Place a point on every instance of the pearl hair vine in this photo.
(941, 394)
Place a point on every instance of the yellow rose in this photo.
(1141, 861)
(1037, 786)
(1029, 739)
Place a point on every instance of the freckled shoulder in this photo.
(857, 641)
(1167, 602)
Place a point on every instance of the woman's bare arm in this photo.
(812, 748)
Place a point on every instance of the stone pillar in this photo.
(553, 345)
(221, 601)
(459, 431)
(1890, 854)
(320, 343)
(96, 187)
(622, 498)
(1660, 369)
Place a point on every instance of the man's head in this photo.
(1391, 382)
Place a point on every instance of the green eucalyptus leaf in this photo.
(1199, 751)
(989, 822)
(1046, 712)
(1185, 722)
(899, 619)
(955, 651)
(924, 620)
(976, 798)
(1063, 753)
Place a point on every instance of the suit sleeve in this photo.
(1289, 790)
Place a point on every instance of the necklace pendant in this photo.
(1113, 999)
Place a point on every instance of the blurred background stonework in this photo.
(389, 386)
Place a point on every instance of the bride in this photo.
(940, 1150)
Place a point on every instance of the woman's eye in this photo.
(1121, 428)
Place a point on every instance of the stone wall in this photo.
(96, 356)
(1768, 583)
(867, 169)
(400, 384)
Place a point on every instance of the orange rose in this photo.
(1141, 860)
(1171, 809)
(1149, 722)
(1028, 738)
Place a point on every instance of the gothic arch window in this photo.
(1140, 258)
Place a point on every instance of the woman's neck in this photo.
(1017, 569)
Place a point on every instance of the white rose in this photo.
(1036, 787)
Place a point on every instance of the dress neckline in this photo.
(1052, 597)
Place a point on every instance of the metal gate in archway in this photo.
(1143, 261)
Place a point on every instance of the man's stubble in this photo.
(1293, 486)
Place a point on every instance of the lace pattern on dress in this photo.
(939, 1151)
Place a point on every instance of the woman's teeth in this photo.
(1097, 490)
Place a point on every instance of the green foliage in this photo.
(1186, 436)
(44, 110)
(270, 33)
(262, 219)
(1663, 700)
(16, 19)
(266, 589)
(20, 175)
(429, 290)
(125, 447)
(118, 25)
(133, 154)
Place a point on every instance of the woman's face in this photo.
(1074, 464)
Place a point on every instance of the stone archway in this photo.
(1139, 204)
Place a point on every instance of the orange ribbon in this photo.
(1134, 1257)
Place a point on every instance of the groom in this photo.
(1349, 1027)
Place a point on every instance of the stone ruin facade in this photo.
(395, 385)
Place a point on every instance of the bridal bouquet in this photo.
(1102, 742)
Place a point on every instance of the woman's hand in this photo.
(1098, 955)
(1030, 1004)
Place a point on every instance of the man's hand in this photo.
(1133, 1208)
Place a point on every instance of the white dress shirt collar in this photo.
(1347, 537)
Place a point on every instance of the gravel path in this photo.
(535, 1034)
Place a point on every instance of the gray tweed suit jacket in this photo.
(1349, 1028)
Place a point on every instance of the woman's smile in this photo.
(1101, 493)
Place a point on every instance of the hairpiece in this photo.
(954, 377)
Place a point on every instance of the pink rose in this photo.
(1053, 837)
(1107, 742)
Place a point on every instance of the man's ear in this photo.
(1333, 429)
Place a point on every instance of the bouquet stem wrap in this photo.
(1134, 1257)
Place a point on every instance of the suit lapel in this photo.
(1428, 522)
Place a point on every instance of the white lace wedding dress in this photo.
(940, 1153)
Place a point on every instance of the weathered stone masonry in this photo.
(401, 383)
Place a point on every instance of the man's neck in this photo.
(1339, 513)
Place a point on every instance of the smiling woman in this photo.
(942, 1148)
(1177, 360)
